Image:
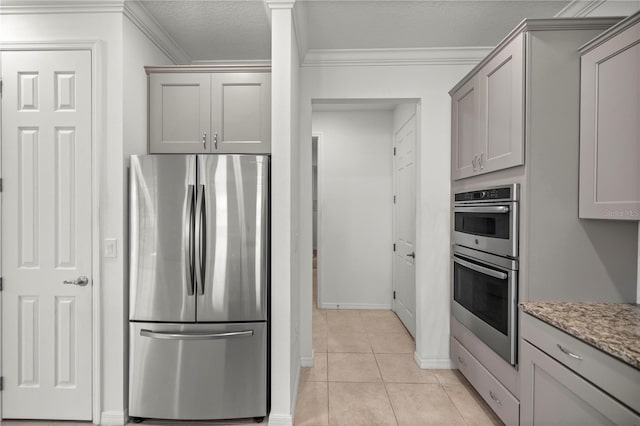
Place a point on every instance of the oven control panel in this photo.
(504, 193)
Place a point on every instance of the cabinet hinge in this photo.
(0, 184)
(394, 295)
(1, 284)
(0, 88)
(394, 246)
(394, 150)
(1, 383)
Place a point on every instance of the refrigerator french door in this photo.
(199, 282)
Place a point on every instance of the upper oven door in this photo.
(488, 227)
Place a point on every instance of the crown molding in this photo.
(240, 63)
(300, 28)
(280, 4)
(149, 26)
(389, 57)
(579, 8)
(25, 7)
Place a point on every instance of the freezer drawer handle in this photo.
(194, 336)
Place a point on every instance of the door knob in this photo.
(413, 255)
(81, 281)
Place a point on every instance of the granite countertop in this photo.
(611, 327)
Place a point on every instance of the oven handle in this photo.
(481, 269)
(483, 209)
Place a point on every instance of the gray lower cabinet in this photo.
(498, 397)
(551, 394)
(204, 111)
(609, 130)
(565, 381)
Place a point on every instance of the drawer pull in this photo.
(461, 361)
(496, 400)
(568, 352)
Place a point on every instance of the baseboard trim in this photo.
(306, 361)
(280, 419)
(433, 364)
(382, 306)
(113, 418)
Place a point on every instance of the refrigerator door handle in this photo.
(194, 336)
(187, 242)
(201, 241)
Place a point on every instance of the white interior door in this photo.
(404, 227)
(46, 234)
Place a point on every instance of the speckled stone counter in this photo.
(611, 327)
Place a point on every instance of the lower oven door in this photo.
(485, 299)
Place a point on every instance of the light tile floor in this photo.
(364, 374)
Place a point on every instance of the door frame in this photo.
(319, 186)
(95, 48)
(394, 218)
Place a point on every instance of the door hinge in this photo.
(1, 283)
(0, 184)
(394, 295)
(394, 150)
(0, 88)
(394, 246)
(1, 383)
(394, 199)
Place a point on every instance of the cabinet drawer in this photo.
(611, 375)
(505, 405)
(554, 395)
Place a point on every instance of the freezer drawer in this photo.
(198, 371)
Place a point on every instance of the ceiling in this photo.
(224, 30)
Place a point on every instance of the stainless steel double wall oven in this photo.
(485, 266)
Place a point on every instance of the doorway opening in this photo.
(358, 187)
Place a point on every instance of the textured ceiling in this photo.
(216, 30)
(240, 29)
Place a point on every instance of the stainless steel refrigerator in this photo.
(199, 283)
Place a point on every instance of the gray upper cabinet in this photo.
(179, 112)
(209, 111)
(610, 124)
(487, 114)
(241, 112)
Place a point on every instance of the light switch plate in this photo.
(110, 247)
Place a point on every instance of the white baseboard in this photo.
(280, 420)
(382, 306)
(433, 364)
(113, 418)
(306, 361)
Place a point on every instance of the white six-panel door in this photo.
(404, 227)
(46, 234)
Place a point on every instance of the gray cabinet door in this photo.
(179, 112)
(501, 141)
(241, 120)
(553, 395)
(160, 276)
(465, 130)
(610, 129)
(233, 196)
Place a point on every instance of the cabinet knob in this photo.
(481, 160)
(215, 141)
(204, 140)
(473, 163)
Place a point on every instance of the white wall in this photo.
(429, 85)
(355, 193)
(284, 210)
(122, 130)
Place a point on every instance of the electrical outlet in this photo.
(111, 248)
